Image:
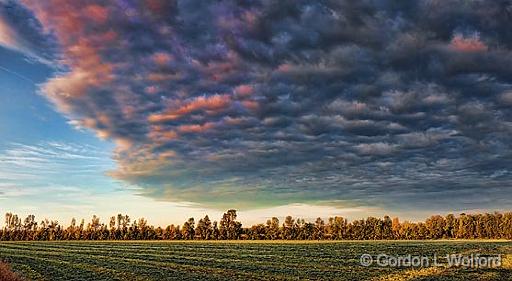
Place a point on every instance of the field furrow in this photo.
(238, 260)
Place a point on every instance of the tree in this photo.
(230, 228)
(204, 229)
(112, 225)
(93, 228)
(387, 228)
(187, 231)
(143, 229)
(216, 231)
(436, 226)
(29, 227)
(450, 226)
(257, 232)
(273, 229)
(468, 226)
(372, 229)
(71, 230)
(319, 229)
(395, 227)
(289, 230)
(337, 228)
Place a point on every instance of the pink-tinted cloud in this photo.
(19, 33)
(151, 90)
(162, 135)
(96, 13)
(467, 44)
(196, 128)
(81, 48)
(251, 105)
(268, 100)
(8, 36)
(162, 58)
(212, 104)
(244, 90)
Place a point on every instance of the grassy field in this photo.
(244, 260)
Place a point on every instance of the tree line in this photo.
(121, 227)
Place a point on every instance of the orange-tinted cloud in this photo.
(244, 90)
(468, 44)
(215, 103)
(196, 128)
(151, 90)
(251, 105)
(7, 36)
(284, 97)
(20, 33)
(161, 135)
(96, 13)
(81, 50)
(162, 58)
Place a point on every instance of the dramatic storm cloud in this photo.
(20, 31)
(392, 103)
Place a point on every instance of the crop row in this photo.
(217, 261)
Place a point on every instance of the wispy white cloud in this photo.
(23, 77)
(47, 162)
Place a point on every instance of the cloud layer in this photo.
(20, 31)
(256, 103)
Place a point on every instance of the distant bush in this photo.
(6, 273)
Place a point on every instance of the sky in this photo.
(171, 109)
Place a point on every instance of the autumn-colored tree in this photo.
(450, 226)
(319, 229)
(204, 229)
(467, 226)
(273, 229)
(187, 231)
(387, 228)
(395, 228)
(436, 226)
(230, 228)
(257, 232)
(289, 229)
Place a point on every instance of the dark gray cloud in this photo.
(19, 30)
(393, 103)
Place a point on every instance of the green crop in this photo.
(242, 260)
